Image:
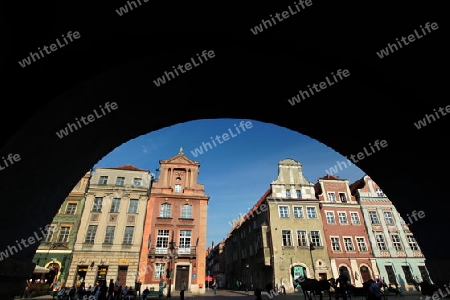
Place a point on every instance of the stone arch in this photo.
(67, 159)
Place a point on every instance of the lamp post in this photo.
(171, 259)
(311, 248)
(246, 286)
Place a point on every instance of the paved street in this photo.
(226, 294)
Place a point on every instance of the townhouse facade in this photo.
(55, 251)
(248, 249)
(216, 264)
(109, 239)
(346, 236)
(281, 238)
(296, 228)
(174, 239)
(397, 253)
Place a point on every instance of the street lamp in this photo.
(172, 252)
(246, 286)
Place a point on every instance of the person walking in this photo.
(375, 290)
(162, 285)
(214, 286)
(182, 289)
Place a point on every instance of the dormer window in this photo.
(379, 192)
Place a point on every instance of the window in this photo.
(298, 211)
(115, 205)
(71, 208)
(159, 270)
(424, 273)
(355, 218)
(331, 197)
(177, 188)
(335, 245)
(388, 217)
(288, 194)
(120, 181)
(49, 233)
(103, 180)
(137, 182)
(185, 242)
(342, 197)
(311, 211)
(330, 217)
(283, 211)
(412, 242)
(186, 211)
(391, 274)
(342, 218)
(97, 204)
(361, 244)
(299, 194)
(90, 235)
(162, 241)
(379, 237)
(301, 238)
(132, 209)
(128, 236)
(64, 234)
(379, 192)
(315, 238)
(109, 236)
(286, 238)
(373, 217)
(408, 275)
(348, 244)
(396, 242)
(165, 210)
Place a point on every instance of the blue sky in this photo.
(236, 172)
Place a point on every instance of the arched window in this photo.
(165, 210)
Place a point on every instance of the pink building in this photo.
(344, 229)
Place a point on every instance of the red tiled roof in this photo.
(128, 168)
(330, 177)
(358, 184)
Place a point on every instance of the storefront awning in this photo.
(39, 269)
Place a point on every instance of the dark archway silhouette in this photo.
(250, 77)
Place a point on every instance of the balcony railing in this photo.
(179, 251)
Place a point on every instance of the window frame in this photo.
(280, 207)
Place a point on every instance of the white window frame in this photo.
(331, 197)
(342, 217)
(356, 220)
(372, 217)
(302, 238)
(329, 214)
(286, 233)
(295, 209)
(388, 215)
(348, 243)
(362, 245)
(315, 212)
(280, 207)
(335, 243)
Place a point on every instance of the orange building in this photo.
(174, 240)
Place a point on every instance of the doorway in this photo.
(182, 273)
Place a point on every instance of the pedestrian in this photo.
(162, 285)
(258, 293)
(214, 286)
(110, 294)
(145, 293)
(182, 289)
(375, 291)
